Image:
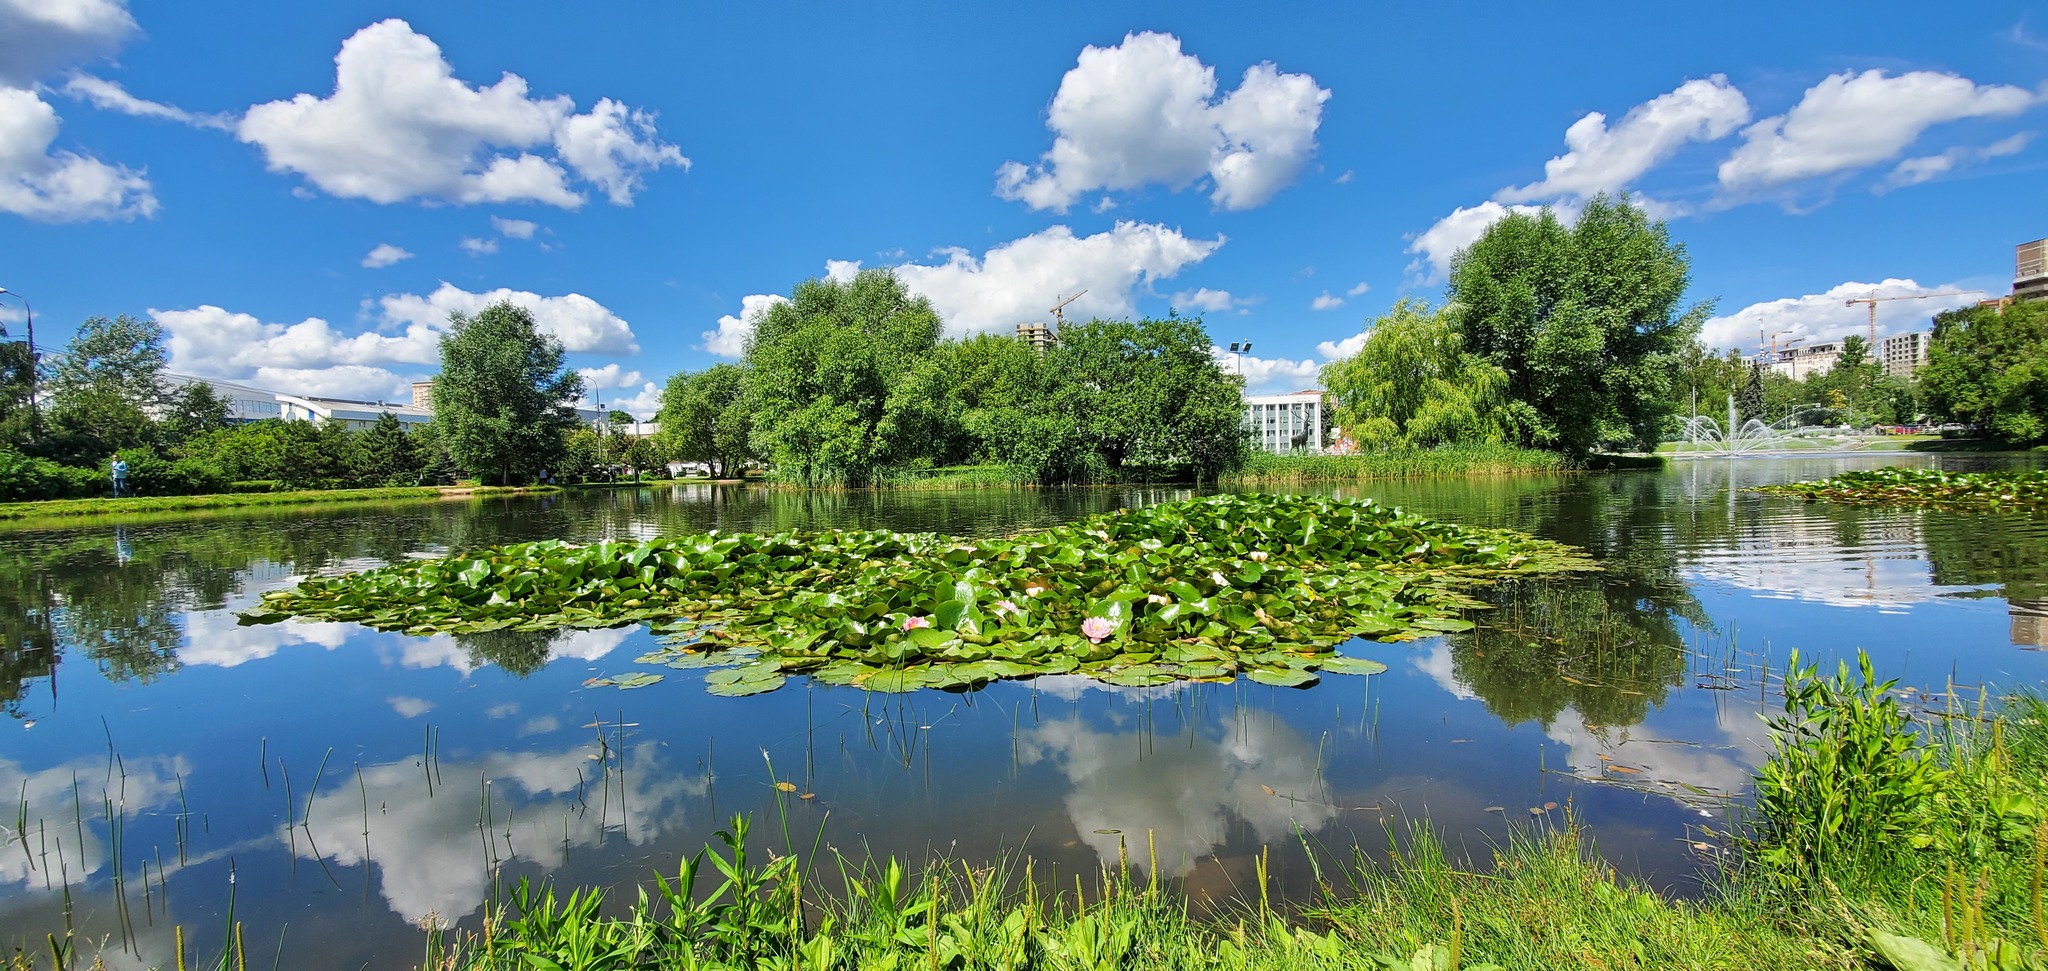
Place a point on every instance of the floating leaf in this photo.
(1177, 580)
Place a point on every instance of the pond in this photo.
(332, 788)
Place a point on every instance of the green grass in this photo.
(1265, 470)
(127, 505)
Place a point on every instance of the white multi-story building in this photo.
(1903, 354)
(1800, 363)
(1285, 424)
(247, 404)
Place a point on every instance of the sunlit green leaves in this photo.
(1209, 588)
(1899, 485)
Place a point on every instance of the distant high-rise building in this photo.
(2030, 270)
(1039, 336)
(1903, 354)
(423, 395)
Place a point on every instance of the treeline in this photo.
(850, 383)
(508, 414)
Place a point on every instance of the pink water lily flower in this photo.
(912, 623)
(1097, 628)
(1005, 607)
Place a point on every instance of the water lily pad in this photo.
(1282, 677)
(1352, 665)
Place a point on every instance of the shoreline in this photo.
(50, 509)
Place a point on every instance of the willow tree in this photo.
(1414, 385)
(829, 375)
(1583, 319)
(502, 401)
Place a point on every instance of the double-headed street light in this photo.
(1236, 348)
(34, 363)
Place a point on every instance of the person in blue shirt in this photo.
(120, 472)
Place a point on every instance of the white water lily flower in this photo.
(1216, 577)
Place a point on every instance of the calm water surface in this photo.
(337, 786)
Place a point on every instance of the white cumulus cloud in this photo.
(1434, 247)
(1144, 112)
(385, 254)
(478, 246)
(1326, 301)
(1827, 316)
(400, 126)
(1359, 289)
(514, 228)
(1020, 280)
(610, 376)
(583, 325)
(1603, 159)
(1338, 350)
(59, 186)
(39, 36)
(1203, 300)
(730, 339)
(1269, 375)
(1852, 121)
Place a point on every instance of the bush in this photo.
(150, 474)
(24, 478)
(256, 485)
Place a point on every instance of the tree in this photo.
(17, 380)
(1583, 320)
(1990, 369)
(503, 399)
(192, 410)
(707, 417)
(383, 455)
(1413, 384)
(1122, 401)
(827, 374)
(103, 386)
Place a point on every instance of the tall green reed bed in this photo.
(1265, 469)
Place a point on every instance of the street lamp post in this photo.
(1237, 347)
(34, 364)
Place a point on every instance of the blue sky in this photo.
(644, 175)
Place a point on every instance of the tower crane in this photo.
(1059, 318)
(1873, 300)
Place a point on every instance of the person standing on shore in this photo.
(119, 468)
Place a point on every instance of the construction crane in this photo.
(1873, 300)
(1059, 318)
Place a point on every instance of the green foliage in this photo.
(1414, 385)
(828, 375)
(503, 401)
(194, 409)
(1199, 589)
(1848, 776)
(1989, 367)
(1902, 485)
(1263, 468)
(708, 417)
(1583, 319)
(1121, 401)
(26, 478)
(383, 455)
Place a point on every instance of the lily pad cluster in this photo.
(1202, 589)
(1940, 488)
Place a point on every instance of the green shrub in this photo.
(26, 477)
(256, 485)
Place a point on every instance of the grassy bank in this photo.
(1263, 469)
(63, 508)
